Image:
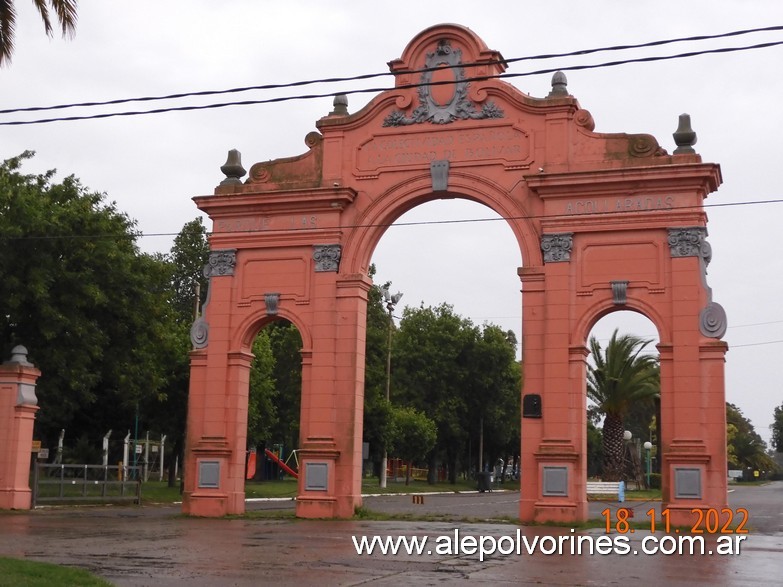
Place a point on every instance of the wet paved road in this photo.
(156, 546)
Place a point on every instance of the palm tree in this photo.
(65, 10)
(620, 378)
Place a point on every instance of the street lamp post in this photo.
(391, 301)
(647, 448)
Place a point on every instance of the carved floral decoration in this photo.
(459, 107)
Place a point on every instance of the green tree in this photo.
(64, 11)
(188, 256)
(92, 310)
(777, 429)
(595, 450)
(429, 373)
(458, 375)
(493, 383)
(413, 436)
(377, 411)
(262, 397)
(167, 412)
(618, 379)
(746, 449)
(286, 345)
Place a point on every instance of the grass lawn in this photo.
(159, 492)
(15, 572)
(154, 492)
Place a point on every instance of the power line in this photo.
(395, 224)
(651, 43)
(735, 346)
(278, 99)
(361, 77)
(756, 324)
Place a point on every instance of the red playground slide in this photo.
(281, 464)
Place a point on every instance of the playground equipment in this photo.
(281, 464)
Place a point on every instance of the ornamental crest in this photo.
(327, 257)
(442, 101)
(690, 242)
(221, 262)
(557, 247)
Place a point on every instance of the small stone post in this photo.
(18, 406)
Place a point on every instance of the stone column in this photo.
(18, 406)
(333, 400)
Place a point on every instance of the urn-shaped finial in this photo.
(559, 85)
(19, 356)
(232, 168)
(340, 105)
(684, 136)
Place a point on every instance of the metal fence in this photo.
(85, 483)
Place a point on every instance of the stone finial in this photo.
(19, 356)
(684, 136)
(559, 85)
(340, 105)
(232, 168)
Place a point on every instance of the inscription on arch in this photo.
(485, 144)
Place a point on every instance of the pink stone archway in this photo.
(603, 221)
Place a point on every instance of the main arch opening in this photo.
(456, 263)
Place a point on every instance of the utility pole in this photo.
(391, 301)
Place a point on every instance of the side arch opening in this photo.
(623, 387)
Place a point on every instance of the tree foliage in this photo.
(413, 435)
(92, 310)
(262, 418)
(493, 384)
(620, 379)
(64, 11)
(188, 256)
(166, 412)
(460, 376)
(286, 345)
(377, 411)
(777, 429)
(745, 448)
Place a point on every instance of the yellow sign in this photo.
(36, 445)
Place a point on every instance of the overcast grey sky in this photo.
(153, 165)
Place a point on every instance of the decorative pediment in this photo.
(443, 92)
(302, 171)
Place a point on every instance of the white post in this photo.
(59, 458)
(125, 444)
(106, 449)
(147, 457)
(162, 452)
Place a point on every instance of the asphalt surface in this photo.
(140, 546)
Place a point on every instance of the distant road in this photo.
(764, 504)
